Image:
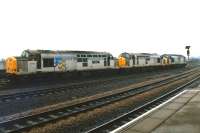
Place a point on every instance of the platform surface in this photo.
(179, 115)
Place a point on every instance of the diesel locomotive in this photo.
(41, 61)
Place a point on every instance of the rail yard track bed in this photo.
(134, 77)
(51, 79)
(62, 82)
(95, 109)
(85, 99)
(12, 101)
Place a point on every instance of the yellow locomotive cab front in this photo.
(165, 61)
(122, 62)
(11, 65)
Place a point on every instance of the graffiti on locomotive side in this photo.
(60, 63)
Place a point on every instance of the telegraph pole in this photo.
(188, 51)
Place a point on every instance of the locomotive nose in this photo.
(121, 62)
(11, 65)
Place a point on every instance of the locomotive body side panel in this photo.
(32, 66)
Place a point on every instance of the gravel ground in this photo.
(60, 83)
(17, 106)
(83, 122)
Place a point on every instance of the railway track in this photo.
(113, 124)
(4, 80)
(31, 120)
(60, 90)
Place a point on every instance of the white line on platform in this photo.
(193, 90)
(148, 112)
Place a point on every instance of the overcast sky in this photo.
(155, 26)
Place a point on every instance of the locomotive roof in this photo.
(63, 52)
(172, 55)
(142, 54)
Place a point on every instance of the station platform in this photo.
(180, 114)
